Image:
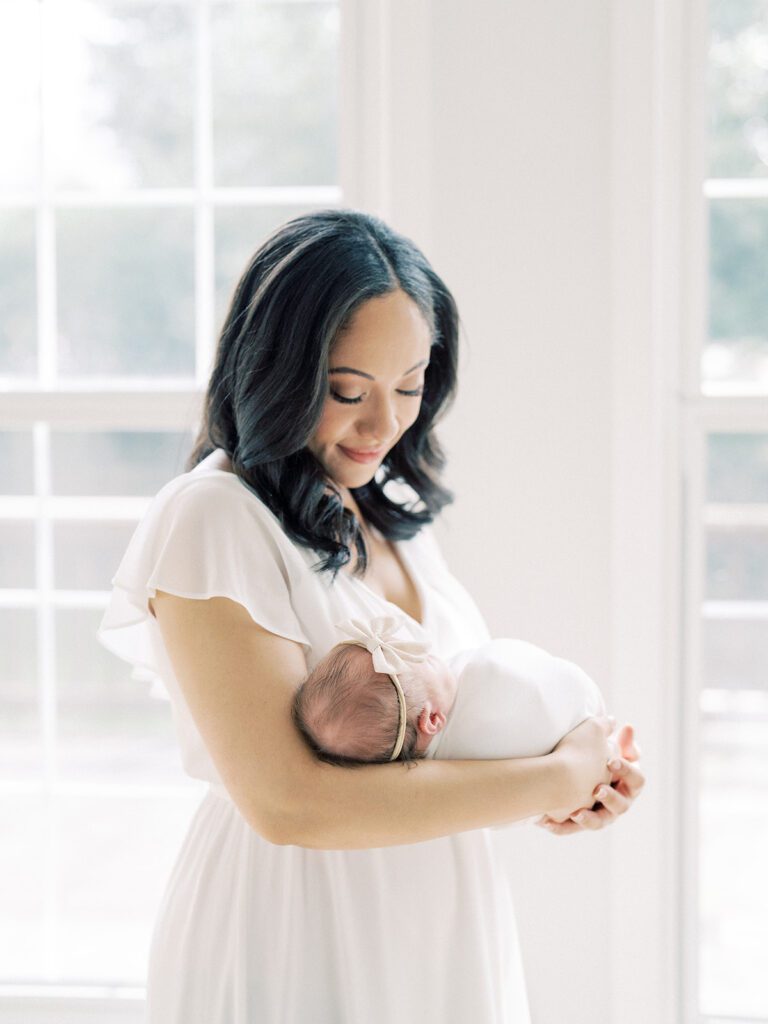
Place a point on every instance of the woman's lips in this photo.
(362, 456)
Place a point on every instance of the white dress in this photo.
(252, 933)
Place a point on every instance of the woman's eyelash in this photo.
(354, 401)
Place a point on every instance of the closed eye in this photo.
(353, 401)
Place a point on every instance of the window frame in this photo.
(43, 404)
(662, 416)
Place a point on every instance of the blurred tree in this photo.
(738, 88)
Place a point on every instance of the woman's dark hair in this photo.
(270, 378)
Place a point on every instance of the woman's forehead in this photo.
(388, 334)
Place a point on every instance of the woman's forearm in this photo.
(390, 805)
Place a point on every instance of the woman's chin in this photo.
(353, 478)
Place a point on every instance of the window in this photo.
(150, 146)
(727, 586)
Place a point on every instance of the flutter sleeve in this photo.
(201, 537)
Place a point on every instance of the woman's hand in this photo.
(626, 781)
(583, 755)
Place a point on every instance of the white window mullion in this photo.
(694, 470)
(161, 409)
(46, 221)
(46, 673)
(204, 229)
(736, 188)
(266, 195)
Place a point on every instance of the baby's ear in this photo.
(430, 721)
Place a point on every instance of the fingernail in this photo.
(602, 792)
(578, 818)
(614, 765)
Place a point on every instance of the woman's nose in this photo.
(379, 419)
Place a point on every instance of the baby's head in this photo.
(350, 713)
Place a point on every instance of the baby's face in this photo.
(440, 685)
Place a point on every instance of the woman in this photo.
(306, 891)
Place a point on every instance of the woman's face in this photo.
(375, 381)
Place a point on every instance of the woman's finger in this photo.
(593, 820)
(611, 805)
(625, 740)
(559, 828)
(613, 801)
(627, 777)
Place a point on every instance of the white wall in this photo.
(521, 234)
(492, 143)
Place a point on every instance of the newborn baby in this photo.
(376, 697)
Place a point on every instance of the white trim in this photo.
(387, 112)
(694, 207)
(163, 408)
(204, 234)
(45, 254)
(72, 509)
(735, 611)
(363, 120)
(216, 196)
(737, 515)
(63, 1005)
(736, 188)
(60, 599)
(192, 790)
(646, 149)
(728, 414)
(694, 591)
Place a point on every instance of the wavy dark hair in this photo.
(269, 381)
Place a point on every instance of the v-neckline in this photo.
(415, 584)
(404, 561)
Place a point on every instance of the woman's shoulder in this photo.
(220, 496)
(213, 522)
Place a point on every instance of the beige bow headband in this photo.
(390, 656)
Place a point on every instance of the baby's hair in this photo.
(349, 713)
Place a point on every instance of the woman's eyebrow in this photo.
(348, 369)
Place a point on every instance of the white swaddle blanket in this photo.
(514, 699)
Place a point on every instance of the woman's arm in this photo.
(238, 680)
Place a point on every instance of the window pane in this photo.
(122, 93)
(23, 854)
(126, 292)
(733, 897)
(18, 291)
(17, 554)
(274, 93)
(87, 554)
(20, 737)
(733, 752)
(19, 71)
(110, 728)
(17, 460)
(739, 88)
(125, 463)
(737, 564)
(110, 857)
(735, 653)
(738, 468)
(738, 300)
(240, 230)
